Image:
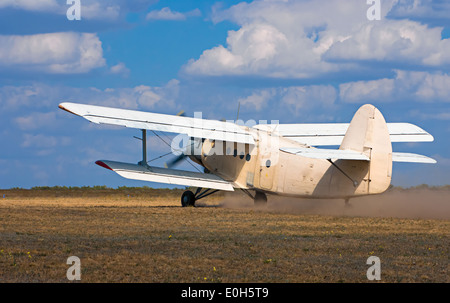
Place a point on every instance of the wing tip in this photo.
(102, 164)
(64, 105)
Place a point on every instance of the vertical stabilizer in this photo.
(368, 133)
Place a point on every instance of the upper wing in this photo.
(193, 127)
(166, 175)
(317, 134)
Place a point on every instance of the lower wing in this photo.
(166, 175)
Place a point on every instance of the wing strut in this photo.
(144, 148)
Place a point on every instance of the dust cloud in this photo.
(398, 203)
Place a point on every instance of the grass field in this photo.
(127, 237)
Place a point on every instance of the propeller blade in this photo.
(175, 161)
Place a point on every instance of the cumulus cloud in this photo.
(32, 5)
(120, 69)
(289, 39)
(43, 141)
(258, 99)
(90, 9)
(253, 48)
(41, 96)
(295, 98)
(434, 11)
(406, 86)
(167, 14)
(141, 97)
(394, 41)
(301, 97)
(58, 53)
(36, 121)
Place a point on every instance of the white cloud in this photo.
(258, 99)
(100, 10)
(367, 91)
(253, 48)
(306, 39)
(421, 9)
(298, 98)
(167, 14)
(35, 95)
(294, 98)
(90, 9)
(394, 41)
(431, 116)
(44, 141)
(36, 121)
(41, 96)
(120, 69)
(406, 86)
(59, 53)
(32, 5)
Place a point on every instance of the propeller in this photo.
(175, 161)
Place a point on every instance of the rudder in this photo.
(368, 133)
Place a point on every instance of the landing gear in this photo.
(260, 199)
(347, 203)
(188, 198)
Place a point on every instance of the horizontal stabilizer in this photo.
(319, 153)
(317, 134)
(193, 127)
(166, 175)
(407, 157)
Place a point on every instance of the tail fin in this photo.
(368, 134)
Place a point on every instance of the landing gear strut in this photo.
(260, 199)
(188, 198)
(347, 203)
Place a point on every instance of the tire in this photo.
(188, 199)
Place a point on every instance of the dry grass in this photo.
(138, 239)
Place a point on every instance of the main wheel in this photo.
(260, 199)
(187, 199)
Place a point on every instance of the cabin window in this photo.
(268, 163)
(248, 157)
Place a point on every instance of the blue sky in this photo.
(292, 61)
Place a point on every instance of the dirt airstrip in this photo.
(135, 236)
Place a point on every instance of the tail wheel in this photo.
(260, 199)
(187, 199)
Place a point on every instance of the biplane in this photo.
(276, 159)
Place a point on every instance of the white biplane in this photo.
(278, 159)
